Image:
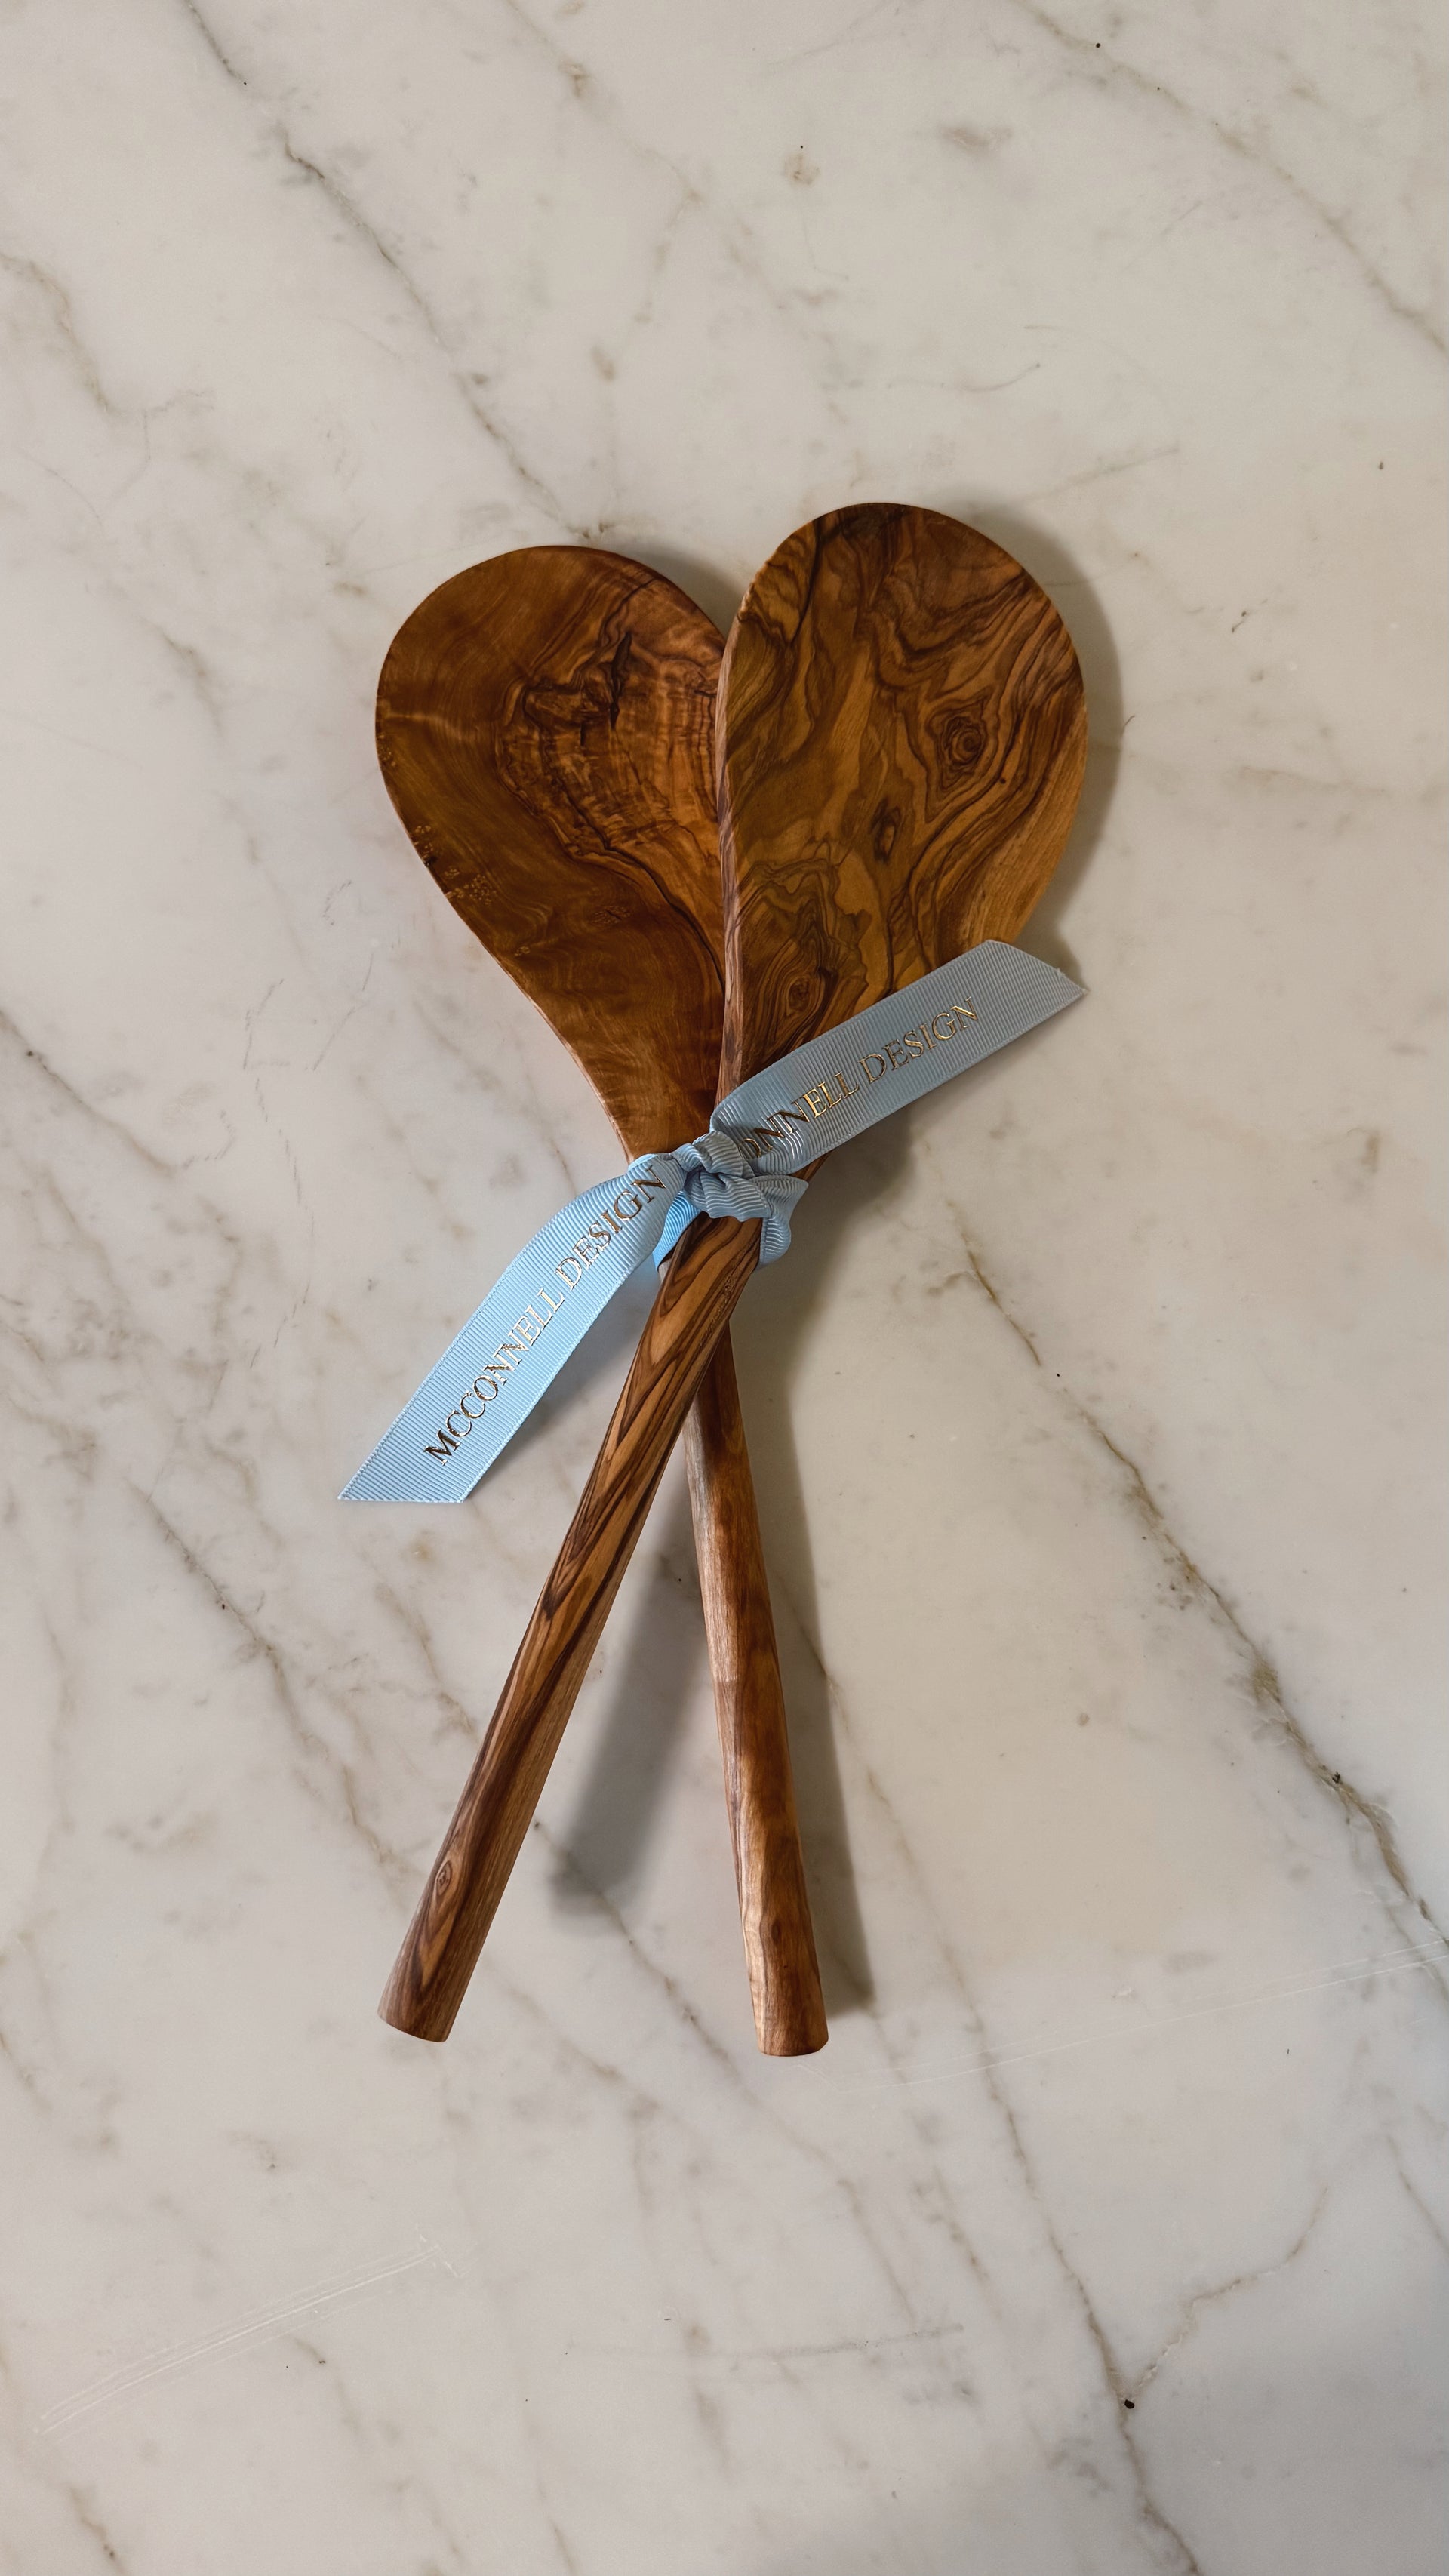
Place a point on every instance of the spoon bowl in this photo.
(545, 728)
(902, 740)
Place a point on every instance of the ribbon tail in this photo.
(679, 1216)
(510, 1351)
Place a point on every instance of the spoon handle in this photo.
(749, 1704)
(701, 1287)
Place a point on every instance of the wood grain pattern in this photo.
(759, 1788)
(901, 746)
(545, 726)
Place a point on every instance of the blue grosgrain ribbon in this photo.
(834, 1087)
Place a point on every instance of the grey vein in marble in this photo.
(1107, 2237)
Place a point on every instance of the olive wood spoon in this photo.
(545, 725)
(901, 744)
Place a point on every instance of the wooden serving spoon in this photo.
(901, 745)
(545, 725)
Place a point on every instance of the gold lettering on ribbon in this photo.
(531, 1324)
(759, 1139)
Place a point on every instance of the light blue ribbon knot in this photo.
(720, 1180)
(748, 1165)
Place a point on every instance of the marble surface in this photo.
(1096, 1413)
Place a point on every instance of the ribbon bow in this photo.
(720, 1179)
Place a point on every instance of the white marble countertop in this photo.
(1108, 2234)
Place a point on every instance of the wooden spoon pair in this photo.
(901, 742)
(545, 726)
